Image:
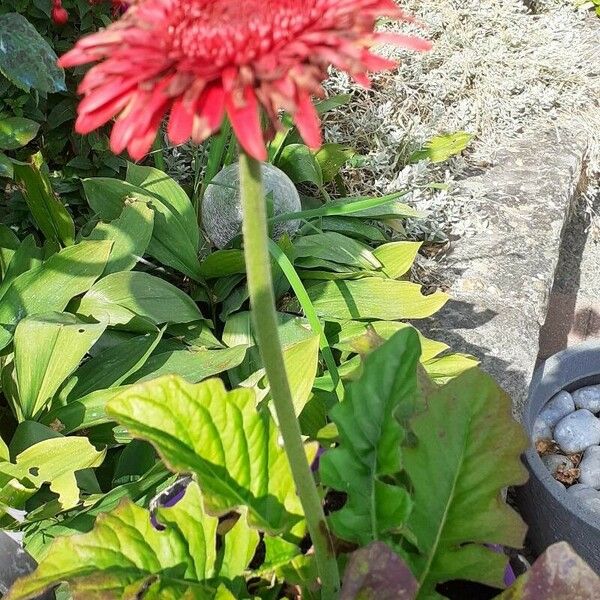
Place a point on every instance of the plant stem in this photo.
(262, 300)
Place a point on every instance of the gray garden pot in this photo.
(552, 515)
(14, 563)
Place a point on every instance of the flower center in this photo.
(236, 32)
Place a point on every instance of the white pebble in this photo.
(577, 431)
(588, 397)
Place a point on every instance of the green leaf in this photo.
(47, 210)
(469, 445)
(26, 58)
(27, 256)
(193, 366)
(397, 257)
(110, 367)
(9, 243)
(52, 461)
(331, 158)
(125, 557)
(442, 147)
(240, 545)
(370, 452)
(444, 368)
(130, 234)
(376, 572)
(374, 298)
(300, 165)
(50, 286)
(47, 349)
(16, 132)
(173, 242)
(351, 227)
(6, 166)
(220, 437)
(223, 263)
(138, 300)
(559, 573)
(161, 186)
(334, 247)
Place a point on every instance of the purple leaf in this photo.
(167, 498)
(376, 572)
(558, 574)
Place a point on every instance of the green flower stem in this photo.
(262, 300)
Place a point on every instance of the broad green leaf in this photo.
(139, 300)
(333, 102)
(351, 227)
(376, 572)
(110, 367)
(4, 453)
(173, 241)
(52, 461)
(444, 368)
(83, 413)
(196, 334)
(240, 545)
(559, 573)
(47, 349)
(223, 263)
(469, 445)
(346, 338)
(193, 366)
(371, 435)
(26, 58)
(130, 234)
(374, 298)
(335, 247)
(6, 166)
(16, 132)
(397, 257)
(159, 184)
(300, 165)
(219, 436)
(47, 210)
(125, 557)
(9, 243)
(442, 147)
(331, 158)
(27, 256)
(50, 286)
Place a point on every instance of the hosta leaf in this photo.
(192, 365)
(351, 227)
(467, 451)
(137, 299)
(335, 247)
(174, 239)
(444, 368)
(370, 437)
(110, 367)
(556, 575)
(220, 437)
(52, 461)
(300, 164)
(397, 257)
(125, 557)
(16, 131)
(47, 210)
(26, 58)
(374, 298)
(50, 286)
(331, 158)
(130, 234)
(27, 256)
(48, 348)
(376, 572)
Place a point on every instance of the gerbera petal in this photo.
(307, 121)
(181, 119)
(245, 121)
(210, 111)
(399, 39)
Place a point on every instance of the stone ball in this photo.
(222, 210)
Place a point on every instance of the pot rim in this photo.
(569, 369)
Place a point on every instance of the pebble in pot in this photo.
(586, 496)
(577, 431)
(590, 467)
(558, 407)
(588, 397)
(222, 209)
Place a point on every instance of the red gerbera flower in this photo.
(201, 59)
